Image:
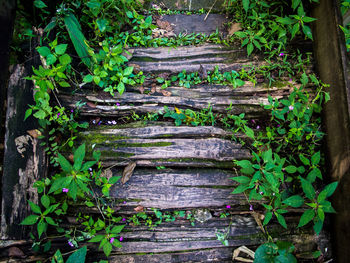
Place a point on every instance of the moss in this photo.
(142, 144)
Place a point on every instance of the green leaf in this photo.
(295, 4)
(281, 220)
(41, 227)
(107, 249)
(50, 59)
(295, 29)
(113, 179)
(39, 4)
(128, 71)
(65, 59)
(50, 221)
(250, 48)
(327, 207)
(306, 217)
(79, 155)
(35, 208)
(330, 188)
(102, 24)
(307, 32)
(266, 253)
(65, 165)
(308, 189)
(121, 88)
(64, 84)
(285, 20)
(246, 167)
(44, 51)
(318, 226)
(57, 184)
(45, 201)
(308, 19)
(315, 159)
(73, 190)
(241, 179)
(117, 229)
(58, 257)
(88, 78)
(291, 169)
(245, 5)
(28, 113)
(97, 238)
(268, 216)
(294, 201)
(129, 14)
(61, 49)
(78, 256)
(240, 189)
(30, 220)
(77, 37)
(313, 174)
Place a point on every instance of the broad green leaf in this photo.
(44, 51)
(308, 189)
(129, 14)
(240, 189)
(78, 256)
(308, 19)
(327, 207)
(285, 20)
(307, 32)
(45, 201)
(295, 29)
(65, 59)
(41, 227)
(102, 24)
(241, 179)
(266, 253)
(73, 190)
(121, 88)
(318, 226)
(245, 5)
(50, 59)
(79, 155)
(117, 229)
(250, 48)
(57, 184)
(50, 221)
(113, 179)
(315, 159)
(64, 84)
(291, 169)
(295, 4)
(268, 216)
(64, 163)
(306, 217)
(77, 37)
(28, 113)
(313, 174)
(61, 49)
(128, 71)
(58, 257)
(281, 220)
(304, 160)
(35, 208)
(330, 188)
(246, 167)
(107, 249)
(87, 165)
(294, 201)
(30, 220)
(320, 213)
(39, 4)
(97, 238)
(88, 78)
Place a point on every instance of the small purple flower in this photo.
(290, 80)
(99, 123)
(228, 206)
(261, 193)
(124, 219)
(258, 127)
(70, 243)
(117, 104)
(111, 240)
(291, 107)
(278, 125)
(58, 115)
(90, 169)
(253, 121)
(281, 54)
(65, 190)
(71, 110)
(121, 239)
(251, 208)
(124, 202)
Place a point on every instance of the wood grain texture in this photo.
(190, 5)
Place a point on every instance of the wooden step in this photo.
(190, 58)
(189, 5)
(199, 150)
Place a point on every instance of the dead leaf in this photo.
(71, 158)
(34, 133)
(16, 252)
(244, 249)
(128, 171)
(107, 173)
(202, 72)
(139, 208)
(234, 28)
(141, 89)
(258, 218)
(166, 93)
(136, 67)
(91, 104)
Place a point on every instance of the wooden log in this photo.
(189, 5)
(186, 24)
(24, 160)
(247, 99)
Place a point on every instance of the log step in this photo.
(189, 5)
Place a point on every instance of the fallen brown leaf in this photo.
(91, 104)
(16, 252)
(128, 171)
(258, 218)
(107, 173)
(34, 133)
(136, 67)
(139, 208)
(166, 93)
(141, 89)
(234, 28)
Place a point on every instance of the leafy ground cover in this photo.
(86, 43)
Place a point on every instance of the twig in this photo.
(205, 18)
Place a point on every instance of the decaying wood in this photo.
(24, 160)
(190, 58)
(189, 5)
(196, 24)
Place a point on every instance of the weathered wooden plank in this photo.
(190, 58)
(200, 151)
(24, 160)
(178, 188)
(247, 99)
(196, 23)
(189, 5)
